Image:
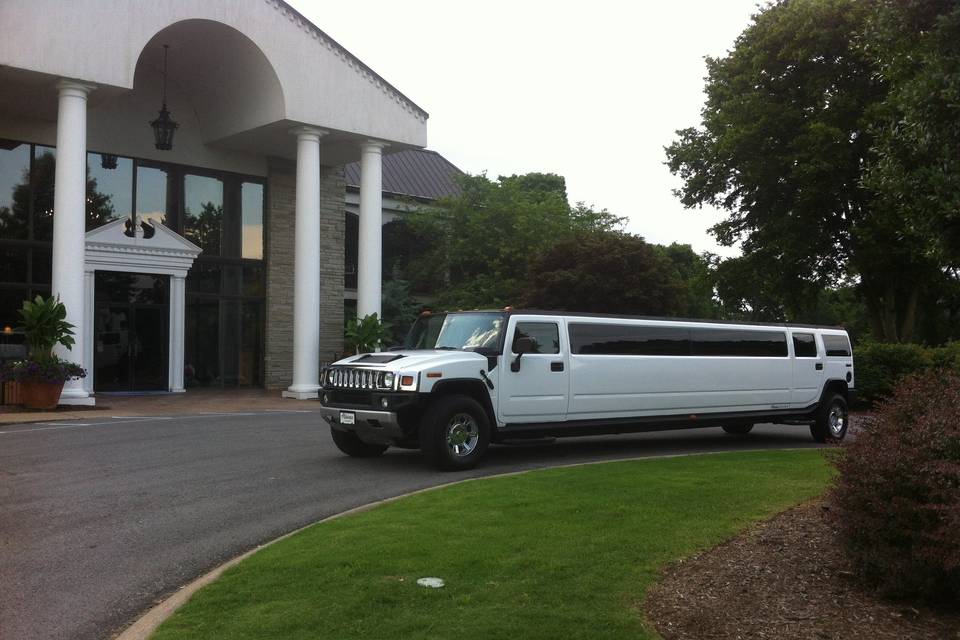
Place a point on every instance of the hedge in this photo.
(879, 367)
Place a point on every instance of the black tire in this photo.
(738, 429)
(454, 433)
(352, 445)
(831, 420)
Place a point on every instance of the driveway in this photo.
(101, 518)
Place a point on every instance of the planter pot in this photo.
(40, 395)
(11, 393)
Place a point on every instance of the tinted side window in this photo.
(804, 346)
(836, 345)
(546, 336)
(738, 342)
(629, 340)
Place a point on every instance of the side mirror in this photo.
(522, 346)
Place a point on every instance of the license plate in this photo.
(348, 417)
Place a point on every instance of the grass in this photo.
(558, 553)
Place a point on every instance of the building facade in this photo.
(219, 261)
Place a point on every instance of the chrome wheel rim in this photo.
(463, 434)
(837, 420)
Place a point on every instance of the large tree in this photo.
(475, 248)
(783, 146)
(605, 272)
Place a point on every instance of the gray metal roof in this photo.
(416, 173)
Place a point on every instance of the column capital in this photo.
(373, 146)
(308, 133)
(74, 88)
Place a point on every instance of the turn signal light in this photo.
(406, 381)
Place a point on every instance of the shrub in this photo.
(897, 495)
(880, 367)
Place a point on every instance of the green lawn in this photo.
(561, 553)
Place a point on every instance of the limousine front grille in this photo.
(350, 397)
(355, 378)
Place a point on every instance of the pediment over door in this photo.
(146, 248)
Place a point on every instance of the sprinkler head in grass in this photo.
(432, 583)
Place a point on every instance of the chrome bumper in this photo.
(372, 426)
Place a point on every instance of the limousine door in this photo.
(538, 390)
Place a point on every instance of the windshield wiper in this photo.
(447, 348)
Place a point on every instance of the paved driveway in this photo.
(99, 519)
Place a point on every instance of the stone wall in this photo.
(281, 216)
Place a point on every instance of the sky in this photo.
(592, 91)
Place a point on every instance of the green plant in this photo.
(897, 495)
(44, 326)
(880, 366)
(366, 334)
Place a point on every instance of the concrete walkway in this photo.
(194, 401)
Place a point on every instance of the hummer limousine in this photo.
(463, 380)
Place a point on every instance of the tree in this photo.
(605, 272)
(476, 247)
(699, 278)
(783, 146)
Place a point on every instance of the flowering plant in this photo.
(51, 370)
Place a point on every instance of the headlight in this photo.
(329, 376)
(388, 380)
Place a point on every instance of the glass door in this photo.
(132, 315)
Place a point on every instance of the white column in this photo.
(178, 307)
(69, 204)
(306, 270)
(371, 228)
(89, 322)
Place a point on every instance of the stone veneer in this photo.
(281, 202)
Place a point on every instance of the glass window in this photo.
(14, 190)
(41, 182)
(152, 195)
(203, 277)
(202, 349)
(13, 264)
(253, 280)
(545, 336)
(738, 342)
(629, 340)
(203, 212)
(836, 345)
(804, 345)
(351, 250)
(42, 260)
(251, 202)
(109, 188)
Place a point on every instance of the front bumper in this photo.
(379, 427)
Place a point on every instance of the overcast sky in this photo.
(589, 90)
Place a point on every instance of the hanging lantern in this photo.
(108, 161)
(164, 126)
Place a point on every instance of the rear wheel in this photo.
(454, 433)
(738, 429)
(831, 421)
(352, 445)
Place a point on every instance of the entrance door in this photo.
(132, 315)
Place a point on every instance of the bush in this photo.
(879, 367)
(897, 495)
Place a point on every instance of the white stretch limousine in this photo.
(466, 379)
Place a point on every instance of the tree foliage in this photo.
(605, 272)
(476, 247)
(799, 140)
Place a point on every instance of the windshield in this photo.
(474, 331)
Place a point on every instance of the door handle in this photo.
(556, 366)
(819, 366)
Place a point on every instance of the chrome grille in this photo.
(349, 378)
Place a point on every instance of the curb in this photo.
(147, 623)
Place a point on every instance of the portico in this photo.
(269, 109)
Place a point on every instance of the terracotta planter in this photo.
(40, 395)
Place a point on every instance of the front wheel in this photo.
(352, 445)
(831, 421)
(454, 433)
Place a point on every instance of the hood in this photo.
(412, 359)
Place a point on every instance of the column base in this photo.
(300, 395)
(178, 390)
(77, 401)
